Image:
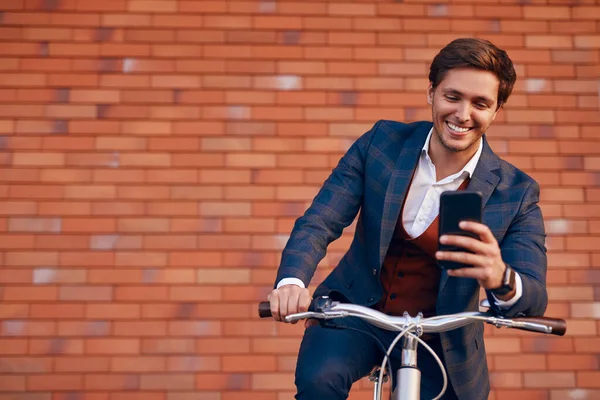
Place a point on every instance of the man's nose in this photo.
(463, 112)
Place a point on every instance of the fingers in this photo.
(482, 230)
(486, 245)
(485, 260)
(479, 274)
(310, 322)
(288, 299)
(273, 298)
(475, 260)
(304, 301)
(465, 242)
(482, 267)
(292, 303)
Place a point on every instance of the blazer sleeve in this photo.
(523, 249)
(334, 208)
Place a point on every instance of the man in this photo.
(394, 175)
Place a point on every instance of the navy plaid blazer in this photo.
(371, 180)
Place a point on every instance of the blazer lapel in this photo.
(398, 185)
(483, 181)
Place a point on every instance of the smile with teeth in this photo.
(457, 128)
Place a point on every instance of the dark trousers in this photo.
(331, 360)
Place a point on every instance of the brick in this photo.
(22, 79)
(19, 49)
(587, 379)
(112, 346)
(138, 364)
(55, 382)
(141, 192)
(587, 345)
(199, 36)
(552, 101)
(175, 208)
(13, 346)
(112, 311)
(223, 346)
(140, 259)
(112, 209)
(211, 242)
(242, 193)
(57, 310)
(546, 12)
(248, 225)
(60, 346)
(246, 292)
(190, 293)
(217, 276)
(327, 23)
(111, 382)
(563, 195)
(378, 24)
(140, 328)
(74, 19)
(520, 394)
(549, 379)
(587, 42)
(25, 364)
(571, 56)
(529, 362)
(167, 382)
(572, 362)
(572, 26)
(194, 328)
(84, 328)
(174, 112)
(175, 81)
(151, 6)
(167, 346)
(107, 276)
(15, 275)
(83, 293)
(549, 41)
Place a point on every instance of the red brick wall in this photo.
(156, 153)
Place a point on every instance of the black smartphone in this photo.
(457, 206)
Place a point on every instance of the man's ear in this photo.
(430, 94)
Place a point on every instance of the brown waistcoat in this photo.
(410, 275)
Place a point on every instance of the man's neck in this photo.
(448, 162)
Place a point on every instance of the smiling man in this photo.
(392, 178)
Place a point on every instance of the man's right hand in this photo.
(288, 299)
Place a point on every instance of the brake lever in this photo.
(315, 315)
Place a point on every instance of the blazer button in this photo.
(374, 271)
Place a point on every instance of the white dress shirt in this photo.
(423, 203)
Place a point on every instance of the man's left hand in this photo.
(486, 260)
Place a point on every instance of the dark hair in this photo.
(479, 54)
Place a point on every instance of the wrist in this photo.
(507, 288)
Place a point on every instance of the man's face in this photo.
(464, 104)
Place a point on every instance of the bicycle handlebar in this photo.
(325, 308)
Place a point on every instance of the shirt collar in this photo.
(469, 168)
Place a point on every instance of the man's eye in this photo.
(452, 98)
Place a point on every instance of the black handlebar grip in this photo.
(264, 309)
(559, 326)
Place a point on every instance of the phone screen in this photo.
(456, 206)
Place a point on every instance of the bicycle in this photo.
(408, 376)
